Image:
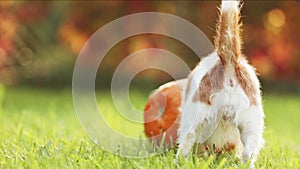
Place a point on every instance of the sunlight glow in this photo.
(276, 18)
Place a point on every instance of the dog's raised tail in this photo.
(228, 41)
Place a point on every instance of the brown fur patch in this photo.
(246, 83)
(230, 147)
(211, 83)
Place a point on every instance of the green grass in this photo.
(39, 129)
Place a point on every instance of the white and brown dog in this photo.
(221, 105)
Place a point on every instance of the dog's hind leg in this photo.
(251, 126)
(186, 145)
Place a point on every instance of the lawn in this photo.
(39, 129)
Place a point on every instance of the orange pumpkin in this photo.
(161, 113)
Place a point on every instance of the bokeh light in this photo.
(39, 41)
(276, 18)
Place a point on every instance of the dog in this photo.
(222, 105)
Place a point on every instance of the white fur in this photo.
(181, 84)
(229, 117)
(203, 123)
(187, 104)
(230, 5)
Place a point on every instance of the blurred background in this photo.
(39, 41)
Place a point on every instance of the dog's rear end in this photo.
(222, 102)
